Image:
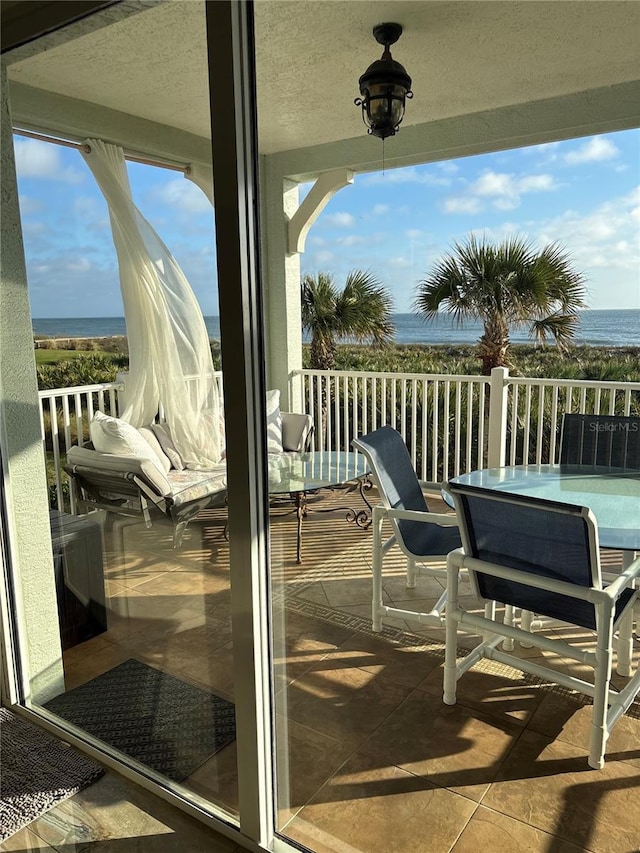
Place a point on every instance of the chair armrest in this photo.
(431, 488)
(441, 518)
(623, 580)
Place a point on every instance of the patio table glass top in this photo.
(318, 469)
(612, 494)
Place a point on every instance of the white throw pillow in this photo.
(274, 422)
(149, 436)
(113, 435)
(163, 434)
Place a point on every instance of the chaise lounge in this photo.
(145, 476)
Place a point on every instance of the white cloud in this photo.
(604, 246)
(351, 240)
(462, 204)
(340, 220)
(399, 262)
(183, 195)
(504, 190)
(596, 149)
(29, 205)
(380, 209)
(324, 257)
(35, 159)
(79, 265)
(413, 175)
(413, 233)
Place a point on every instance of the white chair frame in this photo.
(608, 704)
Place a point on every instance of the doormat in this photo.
(38, 771)
(158, 719)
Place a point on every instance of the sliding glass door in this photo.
(137, 569)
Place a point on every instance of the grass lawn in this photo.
(54, 356)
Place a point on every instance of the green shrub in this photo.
(90, 369)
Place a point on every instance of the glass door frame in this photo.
(233, 115)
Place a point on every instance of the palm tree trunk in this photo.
(494, 344)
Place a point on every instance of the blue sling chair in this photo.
(599, 440)
(540, 556)
(424, 537)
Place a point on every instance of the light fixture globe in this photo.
(384, 86)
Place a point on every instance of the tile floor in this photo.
(375, 763)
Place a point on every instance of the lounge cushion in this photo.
(140, 466)
(113, 435)
(187, 486)
(274, 422)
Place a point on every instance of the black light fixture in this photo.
(384, 86)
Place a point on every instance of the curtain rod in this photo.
(83, 146)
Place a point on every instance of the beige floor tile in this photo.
(214, 670)
(505, 696)
(450, 746)
(403, 664)
(371, 807)
(25, 841)
(350, 592)
(426, 587)
(364, 612)
(564, 719)
(491, 831)
(119, 817)
(304, 765)
(90, 667)
(217, 779)
(343, 703)
(549, 785)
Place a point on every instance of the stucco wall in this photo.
(23, 460)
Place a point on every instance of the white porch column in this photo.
(28, 533)
(498, 417)
(285, 225)
(283, 318)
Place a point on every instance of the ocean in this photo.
(597, 328)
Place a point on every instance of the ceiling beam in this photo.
(71, 118)
(603, 110)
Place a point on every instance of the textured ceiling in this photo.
(464, 57)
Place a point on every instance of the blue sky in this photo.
(584, 193)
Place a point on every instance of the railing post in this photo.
(498, 397)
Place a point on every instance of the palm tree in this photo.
(361, 310)
(505, 286)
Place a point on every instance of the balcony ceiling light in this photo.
(384, 86)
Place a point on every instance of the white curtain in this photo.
(170, 364)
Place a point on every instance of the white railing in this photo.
(443, 419)
(451, 424)
(65, 414)
(536, 406)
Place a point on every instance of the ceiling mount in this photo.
(387, 34)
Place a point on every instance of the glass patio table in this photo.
(612, 494)
(296, 475)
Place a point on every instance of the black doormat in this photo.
(38, 771)
(163, 722)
